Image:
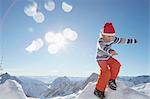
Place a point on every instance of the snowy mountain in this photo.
(11, 90)
(143, 88)
(33, 87)
(123, 92)
(66, 88)
(92, 78)
(45, 79)
(51, 78)
(136, 80)
(62, 86)
(6, 76)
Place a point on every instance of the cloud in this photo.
(55, 41)
(50, 37)
(39, 17)
(70, 34)
(53, 48)
(35, 45)
(30, 10)
(66, 7)
(49, 5)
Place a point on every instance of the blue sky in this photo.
(130, 19)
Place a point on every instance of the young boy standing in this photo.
(109, 66)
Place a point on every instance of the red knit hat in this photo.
(108, 29)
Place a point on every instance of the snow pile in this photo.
(11, 90)
(123, 92)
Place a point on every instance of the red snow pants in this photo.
(109, 69)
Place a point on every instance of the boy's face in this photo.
(107, 38)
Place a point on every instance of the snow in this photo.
(122, 92)
(64, 88)
(46, 79)
(6, 76)
(32, 87)
(143, 88)
(11, 90)
(135, 80)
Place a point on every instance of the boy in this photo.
(109, 66)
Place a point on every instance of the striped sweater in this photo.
(104, 48)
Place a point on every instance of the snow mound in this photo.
(123, 92)
(11, 90)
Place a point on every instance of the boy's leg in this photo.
(104, 76)
(114, 68)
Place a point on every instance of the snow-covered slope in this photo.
(92, 78)
(11, 90)
(123, 92)
(32, 87)
(143, 88)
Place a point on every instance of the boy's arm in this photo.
(118, 40)
(104, 48)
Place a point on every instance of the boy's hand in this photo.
(113, 53)
(135, 41)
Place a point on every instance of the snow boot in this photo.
(99, 94)
(112, 84)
